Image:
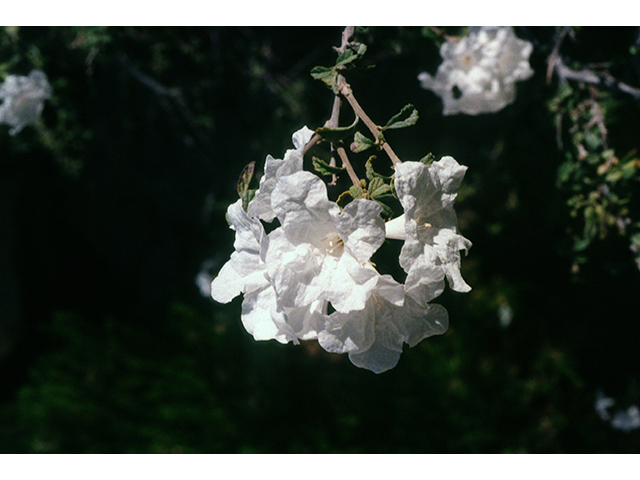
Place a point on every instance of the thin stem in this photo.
(345, 90)
(333, 122)
(347, 165)
(555, 64)
(342, 153)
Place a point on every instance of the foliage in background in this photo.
(116, 203)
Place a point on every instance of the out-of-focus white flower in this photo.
(479, 71)
(505, 314)
(627, 420)
(602, 404)
(260, 206)
(23, 99)
(429, 227)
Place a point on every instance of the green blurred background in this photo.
(112, 208)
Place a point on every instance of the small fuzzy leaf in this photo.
(337, 134)
(428, 159)
(245, 179)
(323, 168)
(378, 190)
(353, 52)
(247, 197)
(355, 192)
(361, 143)
(326, 74)
(408, 116)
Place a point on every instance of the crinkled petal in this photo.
(431, 232)
(448, 245)
(292, 270)
(302, 274)
(302, 137)
(300, 202)
(361, 227)
(377, 358)
(425, 278)
(348, 284)
(261, 318)
(307, 321)
(227, 285)
(450, 175)
(395, 326)
(342, 334)
(260, 206)
(245, 271)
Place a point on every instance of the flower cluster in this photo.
(311, 276)
(479, 71)
(23, 99)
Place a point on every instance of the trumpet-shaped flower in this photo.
(429, 227)
(321, 253)
(374, 337)
(23, 99)
(245, 273)
(260, 206)
(479, 71)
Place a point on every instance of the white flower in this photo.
(429, 227)
(245, 273)
(479, 71)
(260, 206)
(23, 99)
(321, 253)
(602, 404)
(374, 337)
(627, 420)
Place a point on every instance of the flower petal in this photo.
(260, 206)
(361, 227)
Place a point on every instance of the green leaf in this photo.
(353, 52)
(246, 184)
(247, 197)
(380, 191)
(245, 179)
(371, 174)
(408, 116)
(361, 143)
(337, 134)
(328, 75)
(355, 192)
(428, 159)
(323, 168)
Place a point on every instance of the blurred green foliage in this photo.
(120, 194)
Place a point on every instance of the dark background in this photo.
(111, 208)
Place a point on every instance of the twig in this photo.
(345, 90)
(555, 63)
(347, 165)
(588, 76)
(334, 120)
